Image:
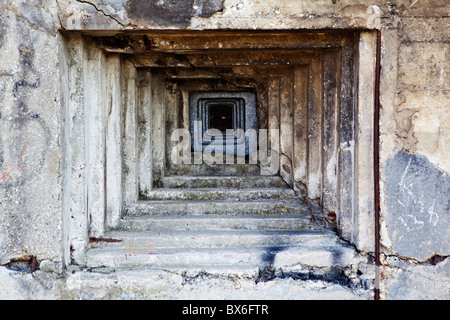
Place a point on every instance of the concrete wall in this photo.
(415, 97)
(30, 154)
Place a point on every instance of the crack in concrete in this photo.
(59, 17)
(203, 275)
(102, 11)
(433, 260)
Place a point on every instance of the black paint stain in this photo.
(268, 257)
(210, 7)
(29, 79)
(334, 274)
(2, 32)
(23, 117)
(170, 12)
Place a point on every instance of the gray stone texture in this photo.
(418, 207)
(420, 282)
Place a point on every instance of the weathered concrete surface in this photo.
(178, 284)
(414, 123)
(414, 147)
(237, 14)
(212, 14)
(30, 179)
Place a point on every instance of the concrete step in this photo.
(222, 182)
(221, 194)
(214, 238)
(219, 207)
(266, 249)
(217, 222)
(205, 283)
